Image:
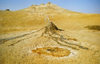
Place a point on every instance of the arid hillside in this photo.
(49, 34)
(35, 16)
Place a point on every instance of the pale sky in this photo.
(84, 6)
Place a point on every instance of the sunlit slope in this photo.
(35, 17)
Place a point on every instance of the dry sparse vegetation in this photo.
(94, 27)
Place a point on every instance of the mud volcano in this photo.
(52, 51)
(48, 45)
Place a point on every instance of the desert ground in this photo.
(49, 34)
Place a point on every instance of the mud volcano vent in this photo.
(52, 51)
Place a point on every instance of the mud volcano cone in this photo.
(50, 31)
(51, 28)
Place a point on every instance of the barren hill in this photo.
(49, 34)
(36, 15)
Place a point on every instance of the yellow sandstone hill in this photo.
(49, 34)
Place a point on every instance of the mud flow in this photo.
(52, 51)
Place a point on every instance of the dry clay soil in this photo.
(41, 47)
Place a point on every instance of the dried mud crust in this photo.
(52, 51)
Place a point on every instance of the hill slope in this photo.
(33, 16)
